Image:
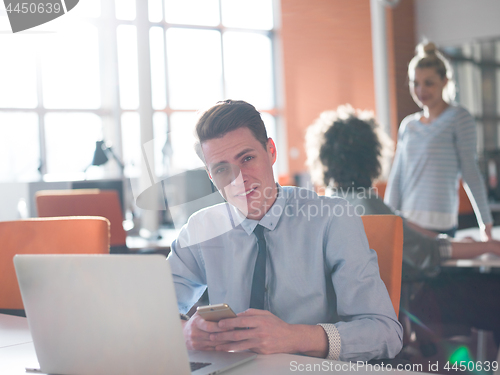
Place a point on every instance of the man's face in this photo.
(242, 170)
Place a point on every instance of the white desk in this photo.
(485, 261)
(16, 354)
(474, 233)
(14, 331)
(16, 346)
(14, 359)
(135, 243)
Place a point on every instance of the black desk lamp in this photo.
(101, 155)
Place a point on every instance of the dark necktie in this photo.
(259, 273)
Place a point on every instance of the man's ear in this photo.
(271, 149)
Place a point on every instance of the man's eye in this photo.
(220, 170)
(248, 158)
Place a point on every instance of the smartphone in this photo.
(214, 313)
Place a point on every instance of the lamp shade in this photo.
(100, 156)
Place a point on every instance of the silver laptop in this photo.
(109, 314)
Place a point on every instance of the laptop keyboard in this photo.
(197, 365)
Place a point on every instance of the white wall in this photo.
(453, 22)
(10, 195)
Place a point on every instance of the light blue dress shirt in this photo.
(320, 270)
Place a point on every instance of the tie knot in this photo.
(259, 232)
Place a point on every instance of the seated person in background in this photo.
(320, 291)
(344, 149)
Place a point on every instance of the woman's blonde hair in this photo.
(428, 56)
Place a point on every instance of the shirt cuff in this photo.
(445, 246)
(333, 341)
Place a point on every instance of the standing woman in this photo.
(435, 147)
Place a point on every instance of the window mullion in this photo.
(110, 93)
(145, 97)
(221, 30)
(167, 85)
(41, 115)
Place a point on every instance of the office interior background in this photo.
(135, 73)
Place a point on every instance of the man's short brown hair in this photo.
(229, 115)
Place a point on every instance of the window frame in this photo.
(110, 110)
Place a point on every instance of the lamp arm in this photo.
(118, 161)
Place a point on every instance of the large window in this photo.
(111, 67)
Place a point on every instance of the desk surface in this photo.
(474, 233)
(485, 260)
(14, 331)
(167, 237)
(17, 353)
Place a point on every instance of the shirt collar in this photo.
(272, 216)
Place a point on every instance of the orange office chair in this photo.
(385, 236)
(68, 235)
(380, 187)
(86, 202)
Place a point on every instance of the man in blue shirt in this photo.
(320, 292)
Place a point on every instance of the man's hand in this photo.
(264, 333)
(197, 333)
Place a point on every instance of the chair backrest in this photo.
(385, 236)
(84, 202)
(380, 187)
(65, 235)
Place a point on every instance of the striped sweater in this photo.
(430, 158)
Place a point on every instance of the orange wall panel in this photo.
(327, 61)
(403, 23)
(327, 56)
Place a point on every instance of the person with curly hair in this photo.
(435, 148)
(345, 152)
